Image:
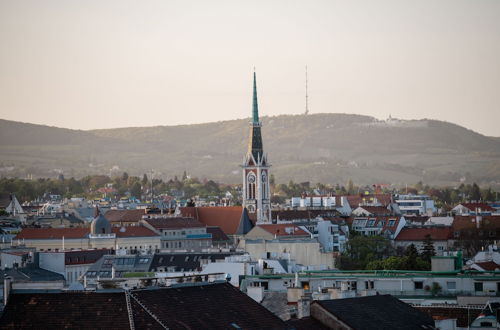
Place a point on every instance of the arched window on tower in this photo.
(264, 186)
(251, 186)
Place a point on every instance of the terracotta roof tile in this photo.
(281, 230)
(418, 234)
(118, 216)
(133, 231)
(473, 206)
(53, 233)
(173, 223)
(227, 218)
(488, 265)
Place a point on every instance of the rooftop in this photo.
(376, 312)
(205, 306)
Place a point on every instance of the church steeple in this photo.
(256, 193)
(255, 140)
(255, 105)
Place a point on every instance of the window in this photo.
(419, 285)
(451, 285)
(264, 181)
(369, 285)
(391, 223)
(305, 285)
(370, 223)
(456, 234)
(478, 286)
(251, 186)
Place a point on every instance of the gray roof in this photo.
(33, 274)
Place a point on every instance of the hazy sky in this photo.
(100, 64)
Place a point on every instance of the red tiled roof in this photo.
(461, 222)
(418, 234)
(473, 206)
(124, 215)
(227, 218)
(53, 233)
(488, 265)
(133, 231)
(280, 230)
(172, 223)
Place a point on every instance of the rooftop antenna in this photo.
(307, 97)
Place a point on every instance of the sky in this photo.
(104, 64)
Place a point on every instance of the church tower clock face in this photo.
(256, 169)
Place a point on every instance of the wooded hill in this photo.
(329, 148)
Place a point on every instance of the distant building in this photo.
(389, 226)
(281, 231)
(180, 233)
(441, 236)
(100, 235)
(415, 204)
(473, 209)
(70, 264)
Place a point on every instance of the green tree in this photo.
(350, 187)
(411, 253)
(361, 250)
(475, 193)
(428, 248)
(136, 190)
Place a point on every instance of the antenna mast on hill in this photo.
(307, 97)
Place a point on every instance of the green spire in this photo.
(255, 106)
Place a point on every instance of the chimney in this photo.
(304, 307)
(7, 286)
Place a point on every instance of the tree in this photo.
(361, 250)
(136, 190)
(475, 193)
(125, 177)
(145, 179)
(350, 187)
(428, 248)
(411, 253)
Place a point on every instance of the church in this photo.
(256, 192)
